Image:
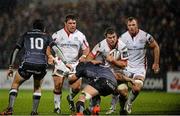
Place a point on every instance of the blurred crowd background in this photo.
(158, 17)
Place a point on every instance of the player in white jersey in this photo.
(71, 41)
(102, 54)
(136, 41)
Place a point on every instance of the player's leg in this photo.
(59, 73)
(123, 94)
(136, 88)
(38, 79)
(58, 84)
(114, 101)
(87, 93)
(74, 90)
(18, 80)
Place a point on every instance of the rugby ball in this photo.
(116, 53)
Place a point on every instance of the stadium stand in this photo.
(159, 17)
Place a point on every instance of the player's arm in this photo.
(58, 51)
(12, 60)
(122, 77)
(156, 52)
(93, 54)
(85, 52)
(122, 63)
(85, 49)
(91, 58)
(49, 55)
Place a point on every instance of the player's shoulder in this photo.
(103, 42)
(121, 44)
(143, 34)
(59, 32)
(79, 33)
(124, 34)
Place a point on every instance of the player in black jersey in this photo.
(101, 81)
(34, 63)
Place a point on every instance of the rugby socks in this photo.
(36, 100)
(132, 96)
(80, 107)
(57, 99)
(12, 97)
(114, 101)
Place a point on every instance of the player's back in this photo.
(34, 43)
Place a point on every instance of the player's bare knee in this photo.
(138, 85)
(123, 93)
(122, 89)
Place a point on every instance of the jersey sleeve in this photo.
(124, 53)
(85, 43)
(95, 50)
(123, 50)
(149, 38)
(54, 37)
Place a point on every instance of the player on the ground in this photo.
(34, 63)
(137, 41)
(72, 42)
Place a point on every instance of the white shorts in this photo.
(133, 72)
(61, 70)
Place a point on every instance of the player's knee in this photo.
(84, 96)
(57, 92)
(37, 95)
(138, 85)
(122, 89)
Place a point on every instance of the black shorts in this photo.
(104, 86)
(26, 70)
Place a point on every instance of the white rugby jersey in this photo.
(137, 48)
(70, 45)
(102, 49)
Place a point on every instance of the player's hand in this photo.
(69, 66)
(132, 81)
(156, 68)
(82, 58)
(109, 58)
(9, 73)
(96, 62)
(50, 59)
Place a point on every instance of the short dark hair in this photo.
(131, 18)
(38, 24)
(70, 16)
(109, 30)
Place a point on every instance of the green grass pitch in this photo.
(158, 103)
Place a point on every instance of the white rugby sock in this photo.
(57, 100)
